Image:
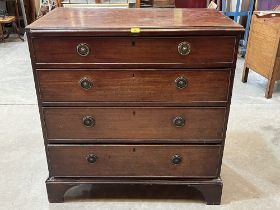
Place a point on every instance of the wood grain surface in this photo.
(128, 50)
(117, 123)
(118, 19)
(154, 85)
(134, 160)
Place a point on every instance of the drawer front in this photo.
(124, 50)
(134, 160)
(170, 86)
(117, 124)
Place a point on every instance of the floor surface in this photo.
(251, 164)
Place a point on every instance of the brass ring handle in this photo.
(181, 82)
(88, 121)
(184, 48)
(86, 83)
(83, 49)
(176, 159)
(179, 121)
(92, 158)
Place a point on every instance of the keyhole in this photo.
(133, 43)
(133, 75)
(133, 113)
(133, 149)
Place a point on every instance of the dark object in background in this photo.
(191, 3)
(263, 5)
(197, 3)
(43, 11)
(11, 21)
(3, 13)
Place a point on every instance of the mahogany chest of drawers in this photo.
(134, 96)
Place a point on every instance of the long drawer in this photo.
(134, 160)
(199, 50)
(162, 86)
(116, 124)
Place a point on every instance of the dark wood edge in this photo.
(117, 180)
(212, 193)
(230, 88)
(129, 145)
(141, 107)
(137, 141)
(144, 32)
(112, 66)
(186, 178)
(211, 189)
(139, 69)
(135, 104)
(38, 95)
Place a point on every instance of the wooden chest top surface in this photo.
(124, 19)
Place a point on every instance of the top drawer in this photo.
(198, 51)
